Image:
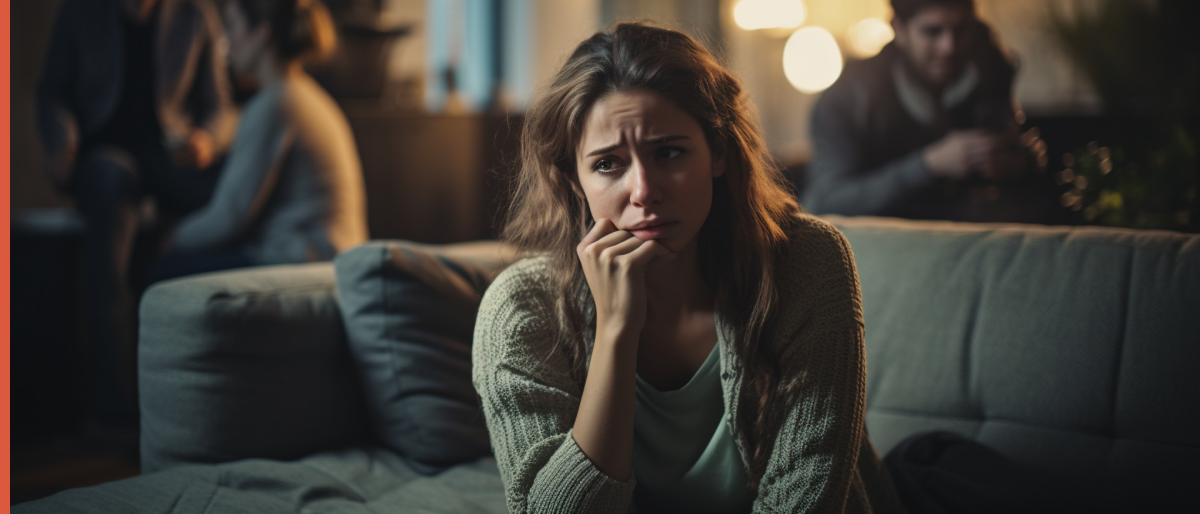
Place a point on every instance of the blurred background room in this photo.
(1104, 102)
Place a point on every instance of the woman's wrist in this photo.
(617, 336)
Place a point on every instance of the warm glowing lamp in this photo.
(811, 59)
(867, 37)
(769, 14)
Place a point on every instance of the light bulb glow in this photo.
(811, 59)
(867, 37)
(769, 14)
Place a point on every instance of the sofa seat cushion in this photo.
(409, 312)
(359, 480)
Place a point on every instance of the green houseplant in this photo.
(1141, 58)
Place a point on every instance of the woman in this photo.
(682, 338)
(292, 188)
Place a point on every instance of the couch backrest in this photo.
(1072, 350)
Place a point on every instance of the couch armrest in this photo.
(246, 363)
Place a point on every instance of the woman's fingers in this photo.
(623, 247)
(605, 244)
(611, 240)
(614, 263)
(645, 253)
(602, 228)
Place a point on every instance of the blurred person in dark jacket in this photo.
(134, 102)
(927, 128)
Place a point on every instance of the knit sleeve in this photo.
(530, 402)
(813, 465)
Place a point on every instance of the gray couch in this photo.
(1072, 351)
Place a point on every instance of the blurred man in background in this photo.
(133, 103)
(927, 128)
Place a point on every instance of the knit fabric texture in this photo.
(822, 459)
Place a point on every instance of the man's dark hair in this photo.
(905, 9)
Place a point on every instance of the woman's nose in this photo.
(643, 191)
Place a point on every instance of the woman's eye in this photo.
(604, 165)
(667, 152)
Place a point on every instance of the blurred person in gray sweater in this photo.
(292, 188)
(927, 128)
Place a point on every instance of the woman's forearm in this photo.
(614, 263)
(604, 425)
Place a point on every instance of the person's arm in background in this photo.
(838, 182)
(1003, 152)
(57, 125)
(245, 186)
(218, 115)
(1008, 153)
(199, 117)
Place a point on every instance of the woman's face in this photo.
(644, 164)
(245, 43)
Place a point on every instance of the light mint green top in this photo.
(684, 455)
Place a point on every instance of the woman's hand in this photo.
(614, 263)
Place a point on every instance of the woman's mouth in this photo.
(655, 231)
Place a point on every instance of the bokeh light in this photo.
(811, 59)
(867, 37)
(769, 14)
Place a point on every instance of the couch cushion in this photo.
(245, 363)
(1071, 350)
(409, 311)
(358, 480)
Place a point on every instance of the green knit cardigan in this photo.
(822, 460)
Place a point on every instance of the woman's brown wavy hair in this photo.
(300, 29)
(739, 242)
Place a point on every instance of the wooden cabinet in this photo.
(433, 178)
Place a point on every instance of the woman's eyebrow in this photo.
(604, 150)
(663, 139)
(651, 141)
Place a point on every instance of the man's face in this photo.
(935, 41)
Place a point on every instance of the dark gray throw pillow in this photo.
(409, 311)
